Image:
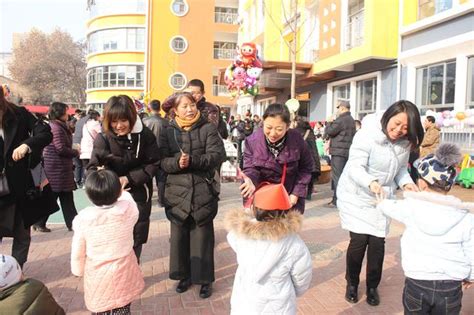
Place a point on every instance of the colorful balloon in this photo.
(460, 116)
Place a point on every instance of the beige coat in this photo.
(430, 141)
(102, 252)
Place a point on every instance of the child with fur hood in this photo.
(275, 265)
(438, 243)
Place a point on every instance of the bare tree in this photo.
(291, 15)
(52, 66)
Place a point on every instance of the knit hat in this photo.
(273, 196)
(438, 169)
(10, 271)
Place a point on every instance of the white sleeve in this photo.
(468, 247)
(395, 209)
(302, 269)
(359, 158)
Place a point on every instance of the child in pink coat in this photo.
(102, 246)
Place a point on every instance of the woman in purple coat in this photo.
(267, 150)
(58, 164)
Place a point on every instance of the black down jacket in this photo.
(341, 132)
(192, 191)
(136, 156)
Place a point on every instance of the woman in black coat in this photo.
(307, 133)
(22, 139)
(192, 152)
(129, 149)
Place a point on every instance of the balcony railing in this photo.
(219, 90)
(354, 33)
(226, 18)
(224, 53)
(463, 137)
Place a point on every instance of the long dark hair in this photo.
(415, 132)
(5, 106)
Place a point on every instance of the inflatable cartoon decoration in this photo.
(241, 77)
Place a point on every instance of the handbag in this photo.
(4, 188)
(39, 201)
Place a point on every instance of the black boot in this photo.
(39, 228)
(183, 285)
(206, 291)
(351, 294)
(373, 297)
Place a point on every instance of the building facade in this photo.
(346, 49)
(116, 38)
(437, 54)
(190, 40)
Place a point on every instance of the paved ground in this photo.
(49, 262)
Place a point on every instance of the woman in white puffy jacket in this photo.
(377, 164)
(275, 265)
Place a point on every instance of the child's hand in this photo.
(124, 182)
(467, 284)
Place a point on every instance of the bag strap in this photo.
(306, 134)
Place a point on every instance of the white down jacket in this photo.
(372, 156)
(438, 242)
(275, 265)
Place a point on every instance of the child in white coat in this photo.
(438, 243)
(102, 246)
(275, 265)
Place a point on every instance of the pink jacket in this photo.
(102, 252)
(89, 132)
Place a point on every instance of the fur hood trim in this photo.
(443, 200)
(245, 225)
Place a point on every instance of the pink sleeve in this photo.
(78, 249)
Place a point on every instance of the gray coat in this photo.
(372, 157)
(156, 124)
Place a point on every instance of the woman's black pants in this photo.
(67, 206)
(192, 252)
(375, 247)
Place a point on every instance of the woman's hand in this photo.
(247, 188)
(124, 182)
(467, 284)
(410, 187)
(184, 161)
(377, 189)
(293, 199)
(20, 152)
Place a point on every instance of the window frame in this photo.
(470, 82)
(419, 86)
(185, 44)
(170, 81)
(98, 37)
(111, 77)
(179, 14)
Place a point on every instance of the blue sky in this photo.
(19, 16)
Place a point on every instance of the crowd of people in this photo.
(118, 155)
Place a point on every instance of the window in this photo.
(117, 39)
(340, 92)
(115, 76)
(226, 15)
(225, 50)
(354, 35)
(428, 8)
(435, 86)
(177, 81)
(178, 44)
(470, 83)
(179, 7)
(109, 7)
(366, 97)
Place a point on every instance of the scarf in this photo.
(277, 147)
(187, 124)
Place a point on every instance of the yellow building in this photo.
(346, 49)
(190, 40)
(116, 36)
